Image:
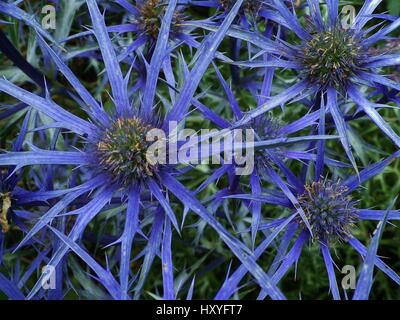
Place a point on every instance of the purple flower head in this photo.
(93, 194)
(136, 36)
(145, 21)
(121, 151)
(331, 58)
(329, 209)
(109, 159)
(332, 215)
(332, 55)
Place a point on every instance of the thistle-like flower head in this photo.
(329, 210)
(334, 62)
(121, 151)
(113, 167)
(332, 57)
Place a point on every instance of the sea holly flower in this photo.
(266, 127)
(142, 34)
(146, 22)
(253, 15)
(332, 213)
(331, 62)
(269, 160)
(143, 23)
(113, 158)
(80, 161)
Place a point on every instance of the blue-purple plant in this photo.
(76, 178)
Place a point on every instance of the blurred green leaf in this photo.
(394, 7)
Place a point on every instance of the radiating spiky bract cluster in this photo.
(331, 58)
(329, 210)
(122, 151)
(78, 179)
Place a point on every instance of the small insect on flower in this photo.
(329, 210)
